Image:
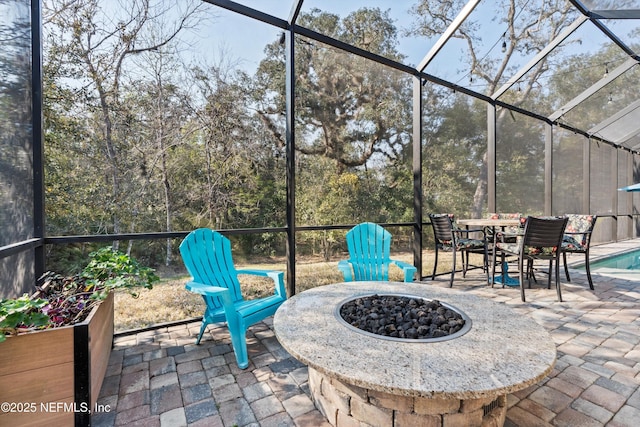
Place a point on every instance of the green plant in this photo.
(68, 300)
(21, 311)
(109, 270)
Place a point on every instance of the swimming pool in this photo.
(624, 266)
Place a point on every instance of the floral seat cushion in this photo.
(570, 244)
(578, 228)
(470, 244)
(462, 244)
(528, 250)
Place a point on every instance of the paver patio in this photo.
(160, 378)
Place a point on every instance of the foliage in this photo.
(89, 53)
(109, 270)
(21, 311)
(62, 301)
(452, 156)
(147, 142)
(349, 109)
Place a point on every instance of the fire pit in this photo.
(461, 379)
(403, 318)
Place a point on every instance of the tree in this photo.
(236, 160)
(348, 109)
(159, 109)
(90, 44)
(353, 123)
(453, 151)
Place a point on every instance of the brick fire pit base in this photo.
(348, 405)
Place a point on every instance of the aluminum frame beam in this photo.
(249, 12)
(444, 38)
(418, 207)
(295, 11)
(616, 14)
(602, 27)
(37, 135)
(290, 148)
(611, 120)
(540, 56)
(611, 76)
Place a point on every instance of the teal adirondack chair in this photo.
(207, 257)
(369, 247)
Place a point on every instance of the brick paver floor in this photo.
(160, 378)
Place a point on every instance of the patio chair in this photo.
(369, 248)
(511, 230)
(577, 239)
(207, 256)
(541, 240)
(449, 237)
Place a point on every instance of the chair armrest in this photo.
(345, 267)
(213, 291)
(503, 234)
(469, 230)
(587, 234)
(409, 270)
(202, 289)
(275, 275)
(256, 272)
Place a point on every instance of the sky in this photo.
(249, 37)
(243, 39)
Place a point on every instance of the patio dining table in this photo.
(505, 279)
(486, 222)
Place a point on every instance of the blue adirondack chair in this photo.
(207, 257)
(369, 247)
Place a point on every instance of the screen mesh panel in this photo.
(16, 160)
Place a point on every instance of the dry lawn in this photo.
(168, 301)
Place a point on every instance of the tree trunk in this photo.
(480, 195)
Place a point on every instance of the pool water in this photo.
(625, 261)
(623, 266)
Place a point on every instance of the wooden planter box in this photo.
(53, 377)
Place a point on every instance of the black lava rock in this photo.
(401, 317)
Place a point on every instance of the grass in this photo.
(169, 301)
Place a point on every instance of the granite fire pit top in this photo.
(503, 352)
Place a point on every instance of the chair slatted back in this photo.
(369, 247)
(207, 257)
(442, 227)
(544, 232)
